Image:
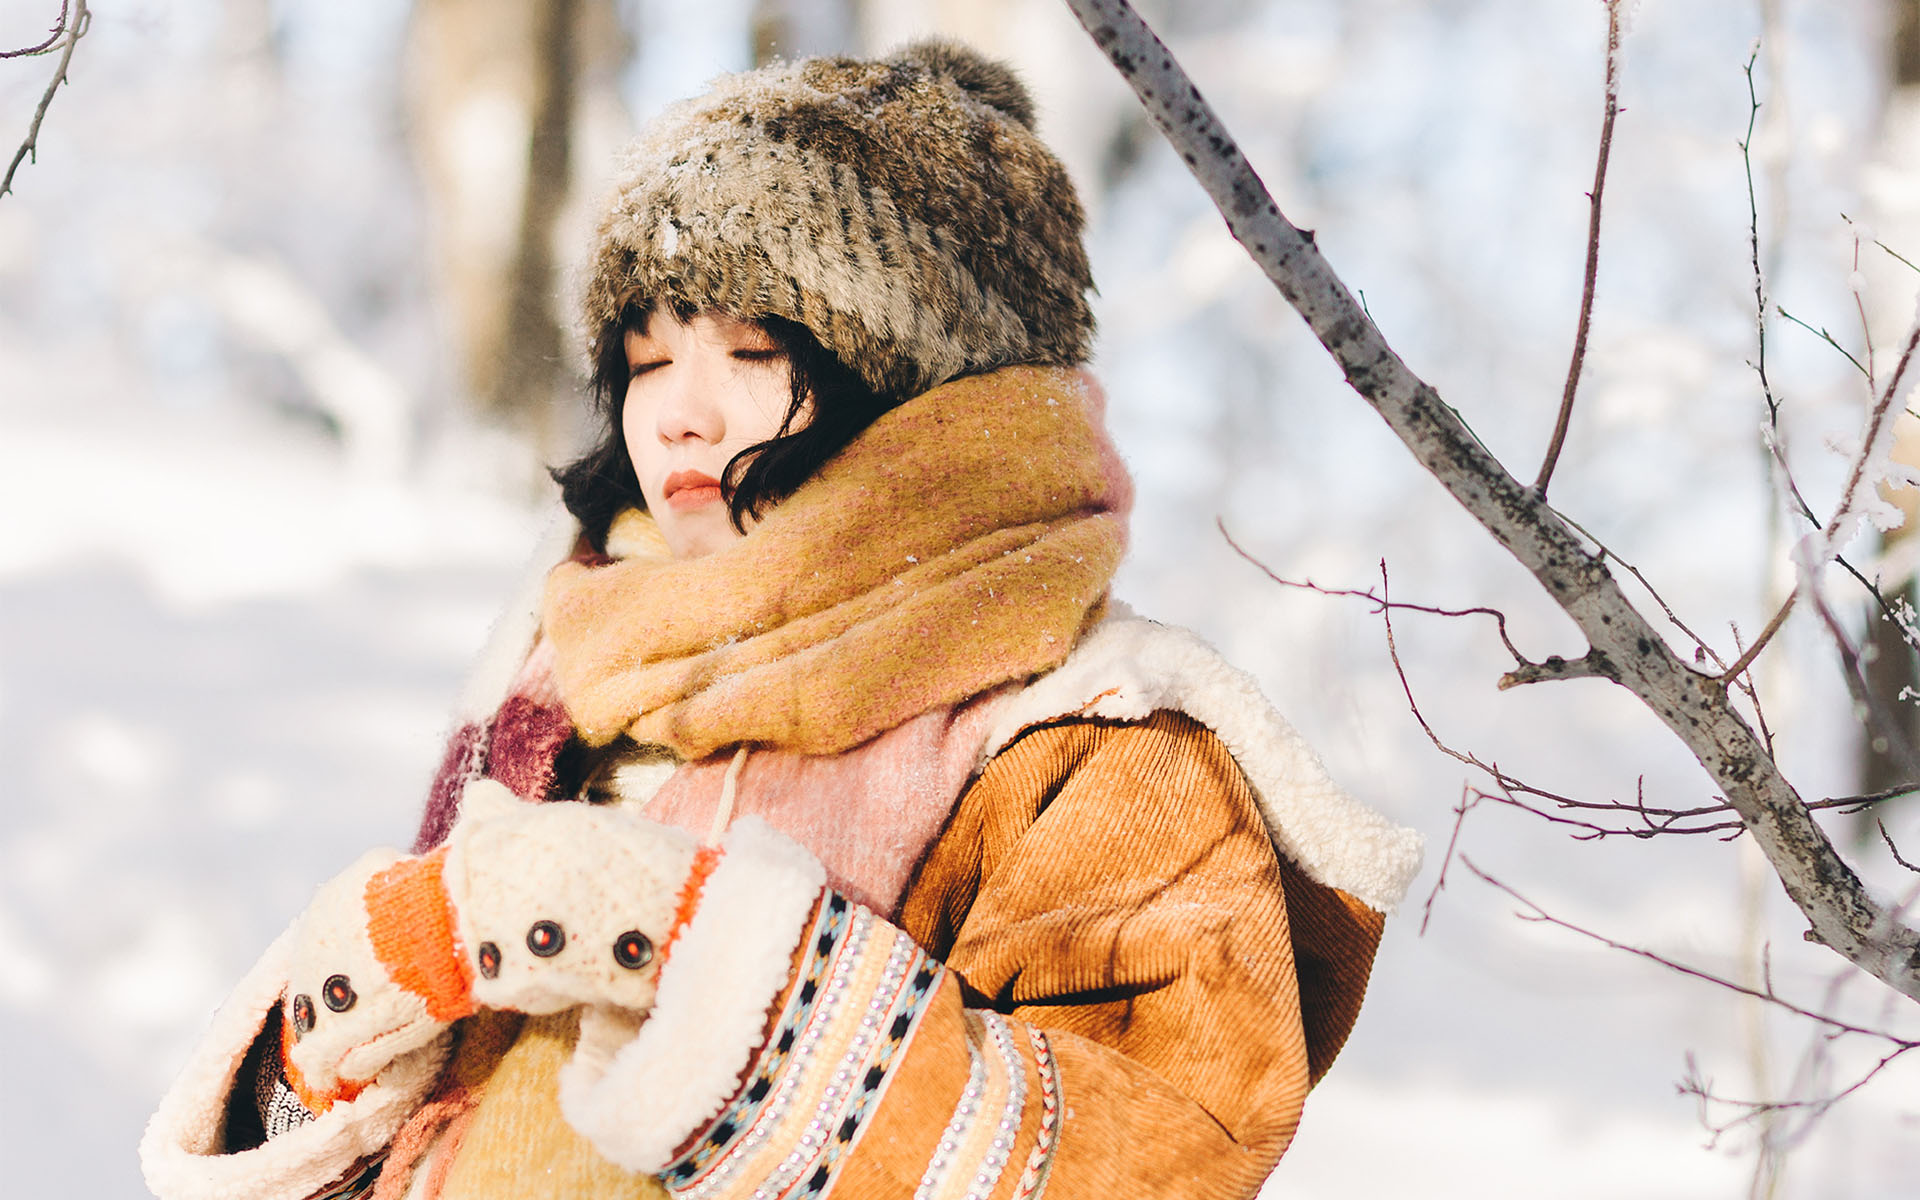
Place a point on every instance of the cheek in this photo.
(762, 396)
(633, 417)
(636, 430)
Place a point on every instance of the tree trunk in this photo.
(500, 92)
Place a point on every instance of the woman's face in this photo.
(698, 393)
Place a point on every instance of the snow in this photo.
(229, 644)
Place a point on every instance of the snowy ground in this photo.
(227, 652)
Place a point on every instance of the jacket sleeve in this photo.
(1135, 996)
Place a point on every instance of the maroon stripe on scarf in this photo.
(527, 738)
(458, 767)
(518, 747)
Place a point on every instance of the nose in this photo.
(687, 405)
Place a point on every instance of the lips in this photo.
(687, 490)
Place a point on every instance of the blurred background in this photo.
(286, 335)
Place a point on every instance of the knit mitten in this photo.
(372, 1045)
(374, 975)
(565, 904)
(675, 953)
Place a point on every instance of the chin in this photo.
(702, 536)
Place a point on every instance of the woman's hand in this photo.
(566, 904)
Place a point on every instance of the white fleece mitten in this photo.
(567, 904)
(374, 974)
(564, 904)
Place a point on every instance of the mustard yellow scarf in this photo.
(965, 539)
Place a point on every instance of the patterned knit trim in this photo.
(974, 1149)
(1008, 1113)
(814, 1085)
(1033, 1180)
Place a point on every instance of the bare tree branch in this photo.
(1588, 666)
(1380, 603)
(1893, 849)
(29, 149)
(1542, 916)
(1650, 820)
(1760, 643)
(1826, 337)
(1760, 1110)
(1696, 707)
(1468, 799)
(53, 37)
(1753, 246)
(1593, 253)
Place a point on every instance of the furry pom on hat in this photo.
(900, 208)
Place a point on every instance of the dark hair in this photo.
(600, 483)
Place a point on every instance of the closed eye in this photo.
(636, 370)
(758, 353)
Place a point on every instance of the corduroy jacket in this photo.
(1141, 934)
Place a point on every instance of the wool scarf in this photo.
(965, 539)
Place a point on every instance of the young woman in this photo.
(912, 865)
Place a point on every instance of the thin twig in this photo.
(1673, 618)
(59, 31)
(29, 149)
(1891, 849)
(1380, 603)
(1829, 339)
(1872, 711)
(1760, 643)
(1759, 1110)
(1879, 424)
(1744, 681)
(1753, 244)
(1860, 308)
(1542, 916)
(1654, 822)
(1896, 254)
(1460, 812)
(1593, 253)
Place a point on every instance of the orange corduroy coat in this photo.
(1113, 884)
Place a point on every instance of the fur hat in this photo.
(900, 208)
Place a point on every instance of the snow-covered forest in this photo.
(273, 400)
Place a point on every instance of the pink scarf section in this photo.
(868, 814)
